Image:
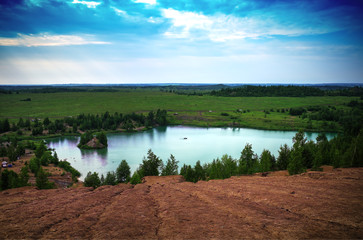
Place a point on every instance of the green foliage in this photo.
(151, 165)
(188, 173)
(24, 176)
(46, 121)
(34, 164)
(40, 149)
(218, 169)
(20, 150)
(46, 158)
(55, 159)
(171, 167)
(296, 160)
(297, 111)
(67, 166)
(11, 153)
(4, 125)
(269, 91)
(110, 179)
(283, 158)
(136, 178)
(123, 172)
(102, 138)
(92, 180)
(247, 161)
(85, 138)
(10, 179)
(309, 154)
(199, 172)
(37, 131)
(42, 180)
(266, 161)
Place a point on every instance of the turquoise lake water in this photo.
(187, 144)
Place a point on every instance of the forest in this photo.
(85, 122)
(285, 91)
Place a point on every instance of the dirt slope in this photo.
(323, 205)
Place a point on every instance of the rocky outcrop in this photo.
(94, 143)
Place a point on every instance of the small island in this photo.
(90, 141)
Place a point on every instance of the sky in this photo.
(181, 41)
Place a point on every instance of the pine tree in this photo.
(283, 158)
(136, 178)
(110, 179)
(171, 167)
(295, 165)
(247, 161)
(42, 180)
(102, 138)
(265, 160)
(150, 166)
(92, 180)
(199, 173)
(123, 172)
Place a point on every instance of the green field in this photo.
(191, 110)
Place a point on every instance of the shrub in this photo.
(136, 178)
(92, 180)
(42, 180)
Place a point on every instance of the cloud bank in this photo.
(223, 38)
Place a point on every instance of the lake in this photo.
(187, 144)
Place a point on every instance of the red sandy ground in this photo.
(312, 205)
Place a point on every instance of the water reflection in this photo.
(95, 154)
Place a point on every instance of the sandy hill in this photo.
(312, 205)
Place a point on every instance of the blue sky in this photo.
(186, 41)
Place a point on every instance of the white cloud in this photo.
(221, 27)
(151, 2)
(46, 40)
(136, 18)
(120, 12)
(89, 4)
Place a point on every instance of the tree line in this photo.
(351, 120)
(151, 165)
(284, 91)
(85, 122)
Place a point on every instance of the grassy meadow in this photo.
(182, 109)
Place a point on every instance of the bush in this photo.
(136, 178)
(67, 166)
(297, 111)
(42, 180)
(34, 164)
(92, 180)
